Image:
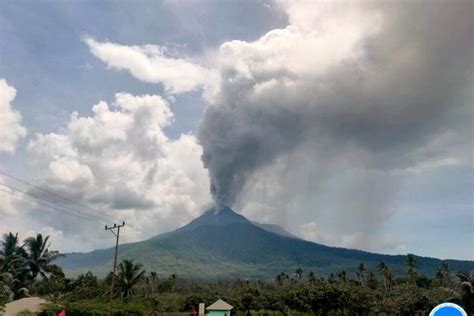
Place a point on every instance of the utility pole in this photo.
(117, 236)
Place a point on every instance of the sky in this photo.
(347, 123)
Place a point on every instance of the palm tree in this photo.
(411, 269)
(39, 257)
(299, 273)
(173, 278)
(445, 270)
(465, 277)
(11, 253)
(382, 268)
(390, 278)
(13, 272)
(360, 273)
(372, 281)
(281, 278)
(153, 279)
(129, 275)
(342, 275)
(442, 274)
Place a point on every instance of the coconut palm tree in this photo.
(129, 275)
(342, 275)
(299, 273)
(13, 272)
(383, 269)
(153, 280)
(39, 257)
(281, 278)
(11, 253)
(372, 281)
(412, 274)
(360, 273)
(465, 277)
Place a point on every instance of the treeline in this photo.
(27, 269)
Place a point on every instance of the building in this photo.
(219, 308)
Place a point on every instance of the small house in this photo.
(219, 308)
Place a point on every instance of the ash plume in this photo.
(379, 92)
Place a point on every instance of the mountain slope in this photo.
(225, 244)
(275, 229)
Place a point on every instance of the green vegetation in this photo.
(20, 265)
(3, 296)
(28, 270)
(296, 294)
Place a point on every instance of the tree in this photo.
(39, 257)
(342, 275)
(390, 277)
(465, 277)
(312, 277)
(129, 275)
(13, 272)
(281, 278)
(383, 269)
(360, 273)
(372, 281)
(445, 271)
(11, 253)
(299, 273)
(153, 280)
(412, 274)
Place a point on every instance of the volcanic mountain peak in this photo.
(222, 216)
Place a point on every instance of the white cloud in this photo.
(151, 63)
(120, 160)
(11, 130)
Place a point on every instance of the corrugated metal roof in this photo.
(220, 305)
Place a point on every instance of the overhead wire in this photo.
(52, 207)
(92, 216)
(110, 217)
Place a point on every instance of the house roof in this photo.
(220, 305)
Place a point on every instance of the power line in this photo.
(57, 195)
(52, 207)
(50, 201)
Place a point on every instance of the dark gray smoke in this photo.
(389, 98)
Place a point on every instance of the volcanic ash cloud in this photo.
(370, 82)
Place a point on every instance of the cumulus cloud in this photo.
(120, 161)
(153, 63)
(336, 105)
(11, 130)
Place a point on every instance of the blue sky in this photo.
(331, 181)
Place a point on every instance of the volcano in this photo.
(225, 245)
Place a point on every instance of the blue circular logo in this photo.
(448, 309)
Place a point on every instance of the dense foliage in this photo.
(369, 293)
(137, 292)
(22, 264)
